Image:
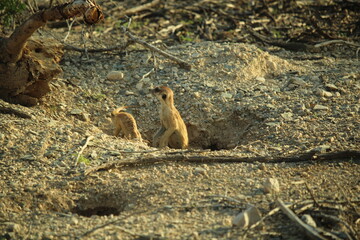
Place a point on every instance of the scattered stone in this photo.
(76, 112)
(260, 79)
(197, 95)
(226, 95)
(320, 107)
(288, 116)
(299, 82)
(84, 117)
(262, 166)
(331, 87)
(272, 65)
(139, 85)
(199, 170)
(79, 114)
(321, 149)
(209, 84)
(129, 93)
(308, 220)
(115, 75)
(272, 124)
(28, 157)
(271, 185)
(323, 93)
(74, 220)
(247, 218)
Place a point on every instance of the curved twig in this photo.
(151, 160)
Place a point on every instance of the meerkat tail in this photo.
(119, 109)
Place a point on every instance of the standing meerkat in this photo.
(124, 122)
(173, 132)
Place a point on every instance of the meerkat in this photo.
(173, 132)
(125, 123)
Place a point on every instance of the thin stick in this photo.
(272, 212)
(322, 44)
(312, 194)
(93, 230)
(136, 9)
(311, 232)
(181, 62)
(69, 25)
(151, 160)
(82, 149)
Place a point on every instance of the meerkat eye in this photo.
(164, 96)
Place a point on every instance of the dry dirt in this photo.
(238, 100)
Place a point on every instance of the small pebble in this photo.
(199, 170)
(308, 220)
(260, 79)
(115, 75)
(320, 107)
(271, 185)
(247, 218)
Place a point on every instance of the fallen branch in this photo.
(311, 232)
(151, 160)
(294, 46)
(136, 9)
(181, 62)
(274, 211)
(82, 149)
(298, 46)
(322, 44)
(311, 194)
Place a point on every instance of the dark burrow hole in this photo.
(225, 133)
(213, 147)
(38, 50)
(101, 204)
(99, 211)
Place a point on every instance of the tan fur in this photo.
(125, 123)
(173, 132)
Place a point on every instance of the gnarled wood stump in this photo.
(27, 66)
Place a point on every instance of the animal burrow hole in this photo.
(100, 204)
(225, 133)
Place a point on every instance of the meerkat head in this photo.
(164, 94)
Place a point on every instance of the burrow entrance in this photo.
(101, 204)
(225, 133)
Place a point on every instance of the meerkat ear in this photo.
(164, 96)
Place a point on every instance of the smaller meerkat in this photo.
(125, 123)
(173, 132)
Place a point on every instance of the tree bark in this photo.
(27, 66)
